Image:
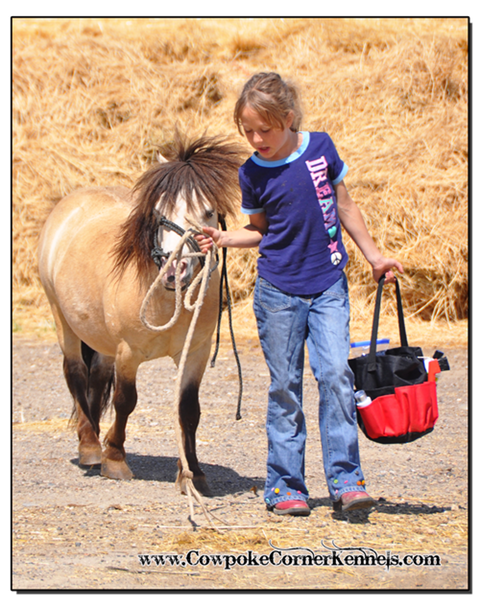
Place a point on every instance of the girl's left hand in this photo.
(385, 266)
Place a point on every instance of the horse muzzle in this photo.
(181, 270)
(179, 273)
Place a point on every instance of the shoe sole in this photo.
(292, 511)
(359, 504)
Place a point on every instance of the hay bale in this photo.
(95, 99)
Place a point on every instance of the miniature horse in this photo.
(95, 264)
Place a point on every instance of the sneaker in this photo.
(353, 500)
(293, 507)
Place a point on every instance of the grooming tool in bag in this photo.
(401, 384)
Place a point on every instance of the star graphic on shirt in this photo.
(333, 246)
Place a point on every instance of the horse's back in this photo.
(75, 252)
(82, 216)
(87, 204)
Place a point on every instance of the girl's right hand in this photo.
(243, 238)
(208, 238)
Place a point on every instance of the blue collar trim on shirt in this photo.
(291, 158)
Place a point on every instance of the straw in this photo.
(94, 100)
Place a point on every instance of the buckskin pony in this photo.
(96, 266)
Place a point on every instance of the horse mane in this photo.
(205, 169)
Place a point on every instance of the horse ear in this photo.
(161, 159)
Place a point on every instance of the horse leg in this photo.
(100, 380)
(114, 463)
(189, 410)
(76, 374)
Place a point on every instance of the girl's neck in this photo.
(298, 140)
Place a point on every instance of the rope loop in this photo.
(177, 255)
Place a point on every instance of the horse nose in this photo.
(169, 278)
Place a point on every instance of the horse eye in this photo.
(209, 214)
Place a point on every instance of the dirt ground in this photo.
(74, 530)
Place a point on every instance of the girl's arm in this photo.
(352, 220)
(244, 238)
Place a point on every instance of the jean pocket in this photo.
(270, 298)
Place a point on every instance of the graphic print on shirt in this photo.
(318, 172)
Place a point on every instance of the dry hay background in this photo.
(94, 99)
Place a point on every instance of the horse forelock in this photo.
(203, 170)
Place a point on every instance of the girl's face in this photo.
(272, 143)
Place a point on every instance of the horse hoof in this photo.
(199, 482)
(116, 469)
(201, 485)
(89, 455)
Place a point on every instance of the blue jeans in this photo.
(284, 323)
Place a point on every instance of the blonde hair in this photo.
(272, 98)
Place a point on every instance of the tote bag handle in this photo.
(376, 321)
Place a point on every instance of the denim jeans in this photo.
(285, 322)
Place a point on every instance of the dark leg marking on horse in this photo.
(89, 448)
(76, 376)
(189, 409)
(113, 457)
(90, 384)
(101, 380)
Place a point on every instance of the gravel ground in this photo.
(73, 529)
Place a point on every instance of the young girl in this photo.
(296, 200)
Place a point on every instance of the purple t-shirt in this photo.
(302, 252)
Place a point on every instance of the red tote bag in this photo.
(408, 414)
(403, 392)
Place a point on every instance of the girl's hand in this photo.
(243, 238)
(385, 266)
(209, 236)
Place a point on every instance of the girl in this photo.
(296, 200)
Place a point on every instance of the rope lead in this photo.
(224, 279)
(202, 278)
